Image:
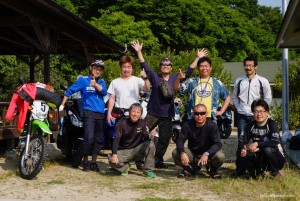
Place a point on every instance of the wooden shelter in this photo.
(34, 29)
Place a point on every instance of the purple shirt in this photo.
(158, 105)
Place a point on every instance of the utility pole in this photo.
(286, 134)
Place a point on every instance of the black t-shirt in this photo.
(200, 139)
(129, 135)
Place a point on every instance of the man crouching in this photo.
(204, 145)
(133, 142)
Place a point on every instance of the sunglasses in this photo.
(199, 113)
(165, 64)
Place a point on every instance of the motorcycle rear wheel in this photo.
(226, 132)
(31, 165)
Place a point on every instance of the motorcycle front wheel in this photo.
(32, 164)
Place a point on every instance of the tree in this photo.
(124, 29)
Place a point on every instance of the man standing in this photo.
(92, 89)
(265, 151)
(246, 89)
(132, 143)
(124, 91)
(204, 89)
(204, 145)
(160, 109)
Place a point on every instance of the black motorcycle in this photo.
(71, 132)
(224, 123)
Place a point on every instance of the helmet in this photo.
(98, 62)
(166, 59)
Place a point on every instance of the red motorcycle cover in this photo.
(21, 99)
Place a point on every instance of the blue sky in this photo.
(273, 3)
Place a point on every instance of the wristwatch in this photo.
(206, 153)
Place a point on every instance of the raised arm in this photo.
(200, 53)
(138, 48)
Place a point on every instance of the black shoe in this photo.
(184, 173)
(86, 166)
(76, 159)
(160, 165)
(215, 175)
(139, 166)
(94, 167)
(239, 172)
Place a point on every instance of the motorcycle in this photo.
(177, 120)
(71, 132)
(224, 123)
(33, 124)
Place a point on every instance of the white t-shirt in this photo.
(126, 91)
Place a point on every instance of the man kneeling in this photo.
(204, 145)
(133, 142)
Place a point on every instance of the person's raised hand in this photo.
(202, 53)
(137, 46)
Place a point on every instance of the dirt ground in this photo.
(59, 181)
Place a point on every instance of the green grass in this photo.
(55, 182)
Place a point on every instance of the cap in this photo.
(167, 59)
(99, 63)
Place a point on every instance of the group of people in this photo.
(136, 138)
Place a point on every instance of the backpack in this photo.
(261, 90)
(166, 89)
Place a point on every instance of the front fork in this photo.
(28, 130)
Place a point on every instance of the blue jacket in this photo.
(190, 85)
(91, 98)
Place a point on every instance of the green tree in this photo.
(124, 29)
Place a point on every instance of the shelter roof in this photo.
(35, 26)
(289, 33)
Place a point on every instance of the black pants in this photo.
(93, 135)
(165, 132)
(269, 159)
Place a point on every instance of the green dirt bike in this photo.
(31, 148)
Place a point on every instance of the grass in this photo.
(55, 182)
(166, 186)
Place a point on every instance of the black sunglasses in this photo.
(165, 64)
(201, 113)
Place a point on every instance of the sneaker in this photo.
(149, 174)
(125, 173)
(160, 165)
(215, 175)
(85, 166)
(94, 167)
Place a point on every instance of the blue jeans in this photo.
(242, 121)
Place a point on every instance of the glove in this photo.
(61, 108)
